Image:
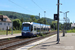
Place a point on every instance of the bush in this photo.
(38, 36)
(41, 34)
(71, 31)
(14, 28)
(10, 29)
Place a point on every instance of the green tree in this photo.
(42, 21)
(67, 26)
(17, 24)
(32, 18)
(22, 20)
(54, 26)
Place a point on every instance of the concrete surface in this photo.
(9, 36)
(66, 43)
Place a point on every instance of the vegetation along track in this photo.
(13, 43)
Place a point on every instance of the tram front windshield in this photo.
(26, 27)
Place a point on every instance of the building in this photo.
(5, 22)
(73, 25)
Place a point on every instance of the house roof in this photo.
(7, 19)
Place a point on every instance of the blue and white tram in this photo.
(32, 29)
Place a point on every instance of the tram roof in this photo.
(35, 23)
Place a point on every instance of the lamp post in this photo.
(40, 23)
(12, 26)
(45, 19)
(65, 20)
(66, 17)
(12, 23)
(64, 25)
(68, 21)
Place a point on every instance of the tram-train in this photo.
(32, 29)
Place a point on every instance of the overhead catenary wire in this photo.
(20, 6)
(37, 5)
(24, 7)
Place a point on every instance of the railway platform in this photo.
(66, 43)
(9, 36)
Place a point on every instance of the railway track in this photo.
(13, 43)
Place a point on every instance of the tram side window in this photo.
(35, 29)
(41, 28)
(38, 29)
(44, 29)
(31, 27)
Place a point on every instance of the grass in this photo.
(71, 31)
(46, 34)
(38, 36)
(42, 34)
(8, 38)
(3, 32)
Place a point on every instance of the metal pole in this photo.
(64, 29)
(12, 26)
(54, 26)
(40, 24)
(44, 19)
(63, 32)
(66, 20)
(12, 23)
(7, 31)
(58, 23)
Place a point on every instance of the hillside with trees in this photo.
(25, 17)
(18, 18)
(14, 15)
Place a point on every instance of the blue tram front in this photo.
(26, 30)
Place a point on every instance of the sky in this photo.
(34, 7)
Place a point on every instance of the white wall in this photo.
(73, 25)
(4, 25)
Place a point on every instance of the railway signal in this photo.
(56, 17)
